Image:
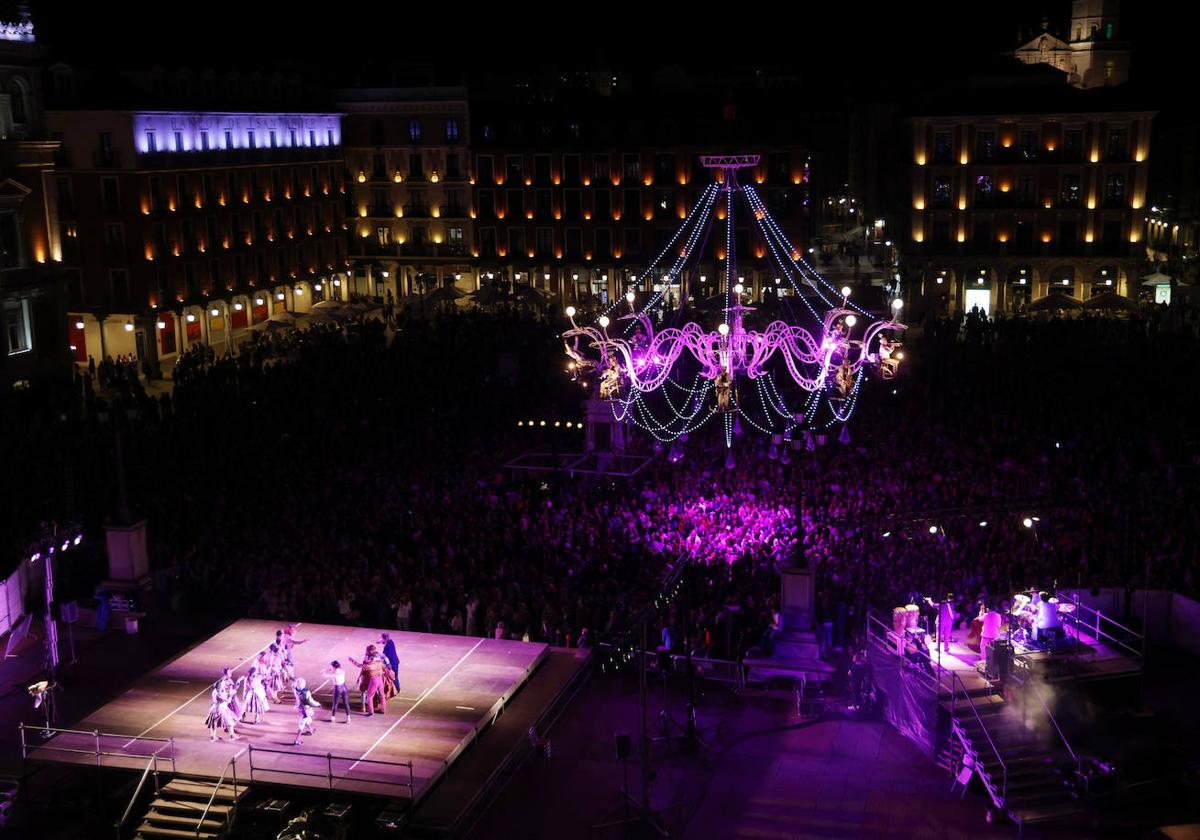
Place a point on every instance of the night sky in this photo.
(843, 44)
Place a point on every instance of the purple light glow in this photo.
(185, 131)
(725, 528)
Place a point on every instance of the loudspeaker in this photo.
(624, 746)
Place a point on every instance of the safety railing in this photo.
(956, 683)
(230, 768)
(928, 670)
(150, 768)
(95, 741)
(1103, 628)
(328, 761)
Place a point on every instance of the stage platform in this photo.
(451, 688)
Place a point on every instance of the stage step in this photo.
(156, 831)
(178, 820)
(188, 789)
(189, 807)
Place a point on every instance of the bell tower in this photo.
(1099, 57)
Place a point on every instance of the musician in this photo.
(946, 616)
(1046, 618)
(992, 622)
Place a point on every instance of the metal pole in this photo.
(329, 767)
(96, 734)
(645, 746)
(21, 730)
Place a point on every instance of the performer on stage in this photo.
(340, 693)
(724, 390)
(370, 681)
(263, 666)
(287, 642)
(275, 664)
(1047, 617)
(255, 697)
(945, 619)
(305, 703)
(992, 624)
(390, 656)
(228, 686)
(220, 716)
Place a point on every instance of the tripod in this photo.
(690, 733)
(638, 812)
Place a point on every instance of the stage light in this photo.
(887, 533)
(845, 291)
(78, 539)
(1027, 522)
(66, 544)
(933, 529)
(37, 555)
(570, 311)
(851, 320)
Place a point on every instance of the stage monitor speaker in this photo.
(624, 745)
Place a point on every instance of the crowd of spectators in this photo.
(354, 473)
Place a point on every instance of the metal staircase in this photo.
(1024, 762)
(188, 808)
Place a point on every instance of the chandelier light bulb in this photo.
(629, 296)
(846, 291)
(851, 320)
(570, 311)
(723, 329)
(897, 303)
(604, 322)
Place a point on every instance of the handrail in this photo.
(1053, 720)
(232, 763)
(956, 681)
(151, 764)
(96, 751)
(1077, 621)
(932, 681)
(330, 758)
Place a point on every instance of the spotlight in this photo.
(1027, 522)
(887, 533)
(78, 539)
(983, 523)
(933, 529)
(37, 555)
(66, 544)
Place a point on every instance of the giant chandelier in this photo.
(799, 373)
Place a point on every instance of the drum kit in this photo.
(1024, 613)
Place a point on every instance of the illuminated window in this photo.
(1114, 189)
(414, 131)
(16, 323)
(1069, 195)
(151, 142)
(383, 234)
(941, 192)
(985, 145)
(451, 131)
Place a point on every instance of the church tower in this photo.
(1092, 54)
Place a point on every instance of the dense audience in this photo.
(354, 473)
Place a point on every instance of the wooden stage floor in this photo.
(451, 688)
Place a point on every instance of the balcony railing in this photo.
(234, 157)
(416, 211)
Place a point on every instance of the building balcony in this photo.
(453, 212)
(416, 211)
(432, 250)
(365, 248)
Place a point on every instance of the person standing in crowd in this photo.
(305, 703)
(340, 693)
(404, 612)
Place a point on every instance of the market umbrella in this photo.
(322, 318)
(331, 303)
(1054, 303)
(1111, 301)
(1156, 279)
(444, 294)
(488, 296)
